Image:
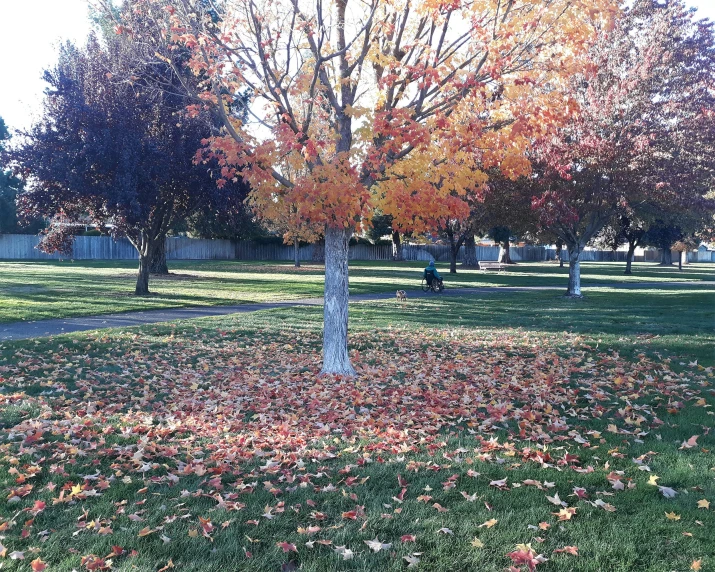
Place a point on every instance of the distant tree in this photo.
(644, 131)
(381, 225)
(624, 228)
(115, 150)
(502, 235)
(505, 212)
(456, 231)
(663, 235)
(10, 187)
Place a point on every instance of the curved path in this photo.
(53, 327)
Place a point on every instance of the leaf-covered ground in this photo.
(215, 446)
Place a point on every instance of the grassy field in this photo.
(212, 445)
(40, 290)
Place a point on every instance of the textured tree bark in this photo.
(142, 287)
(666, 257)
(454, 245)
(574, 287)
(335, 309)
(397, 253)
(629, 257)
(319, 251)
(504, 252)
(470, 252)
(296, 253)
(158, 258)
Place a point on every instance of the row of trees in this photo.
(558, 119)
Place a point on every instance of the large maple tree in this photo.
(643, 130)
(389, 104)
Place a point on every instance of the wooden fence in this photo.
(24, 247)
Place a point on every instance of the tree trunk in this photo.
(666, 258)
(335, 309)
(470, 252)
(559, 251)
(680, 261)
(158, 258)
(296, 253)
(453, 261)
(684, 257)
(574, 287)
(319, 251)
(504, 252)
(629, 256)
(453, 252)
(397, 253)
(142, 287)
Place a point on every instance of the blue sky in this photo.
(30, 32)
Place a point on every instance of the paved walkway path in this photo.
(43, 328)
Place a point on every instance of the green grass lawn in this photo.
(212, 445)
(53, 289)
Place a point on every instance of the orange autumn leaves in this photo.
(258, 419)
(392, 106)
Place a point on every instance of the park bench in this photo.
(498, 266)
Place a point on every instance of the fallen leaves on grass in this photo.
(376, 545)
(242, 415)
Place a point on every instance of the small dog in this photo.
(401, 295)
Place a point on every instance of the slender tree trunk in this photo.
(680, 261)
(684, 256)
(559, 251)
(453, 251)
(453, 262)
(335, 310)
(470, 251)
(666, 258)
(629, 256)
(158, 258)
(397, 253)
(142, 287)
(574, 287)
(296, 253)
(504, 252)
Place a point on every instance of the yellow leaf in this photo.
(704, 504)
(146, 531)
(193, 533)
(672, 516)
(491, 522)
(653, 480)
(477, 543)
(697, 564)
(76, 490)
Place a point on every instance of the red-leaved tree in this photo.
(643, 130)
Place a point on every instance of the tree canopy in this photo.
(644, 130)
(114, 150)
